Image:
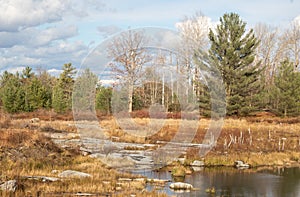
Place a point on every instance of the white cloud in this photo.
(33, 37)
(18, 60)
(54, 55)
(16, 15)
(43, 32)
(54, 33)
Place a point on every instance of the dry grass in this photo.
(103, 181)
(262, 140)
(25, 151)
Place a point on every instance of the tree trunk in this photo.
(130, 95)
(163, 90)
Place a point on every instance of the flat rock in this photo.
(73, 174)
(181, 186)
(197, 163)
(10, 185)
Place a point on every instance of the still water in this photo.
(279, 182)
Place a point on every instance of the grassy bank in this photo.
(260, 140)
(26, 152)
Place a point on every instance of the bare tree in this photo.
(270, 50)
(194, 32)
(129, 56)
(292, 42)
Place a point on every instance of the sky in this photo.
(45, 34)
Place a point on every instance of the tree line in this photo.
(28, 91)
(258, 67)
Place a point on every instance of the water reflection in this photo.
(233, 182)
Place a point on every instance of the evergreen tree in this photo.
(232, 52)
(37, 96)
(103, 99)
(58, 99)
(286, 91)
(5, 77)
(26, 77)
(62, 91)
(12, 93)
(48, 83)
(27, 73)
(84, 92)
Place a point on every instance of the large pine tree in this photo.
(232, 52)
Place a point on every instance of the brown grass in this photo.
(27, 152)
(257, 140)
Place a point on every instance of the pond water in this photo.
(233, 182)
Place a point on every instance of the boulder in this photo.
(73, 174)
(10, 185)
(181, 186)
(241, 165)
(197, 163)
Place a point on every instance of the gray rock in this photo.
(73, 174)
(197, 163)
(10, 185)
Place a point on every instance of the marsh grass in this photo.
(26, 152)
(256, 140)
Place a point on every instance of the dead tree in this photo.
(129, 55)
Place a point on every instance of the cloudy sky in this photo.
(48, 33)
